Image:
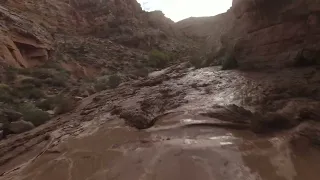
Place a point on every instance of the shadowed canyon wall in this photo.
(273, 33)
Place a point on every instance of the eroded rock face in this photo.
(272, 33)
(23, 43)
(32, 32)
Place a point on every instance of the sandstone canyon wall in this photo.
(94, 33)
(261, 33)
(273, 33)
(207, 30)
(202, 27)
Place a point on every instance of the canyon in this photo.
(233, 96)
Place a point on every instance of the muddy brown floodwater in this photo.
(179, 146)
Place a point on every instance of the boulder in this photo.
(136, 118)
(20, 126)
(305, 134)
(231, 113)
(271, 121)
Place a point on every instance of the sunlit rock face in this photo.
(273, 33)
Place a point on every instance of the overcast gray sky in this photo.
(181, 9)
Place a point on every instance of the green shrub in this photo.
(10, 75)
(56, 81)
(47, 104)
(229, 62)
(208, 59)
(30, 92)
(42, 73)
(24, 71)
(197, 62)
(34, 94)
(106, 82)
(32, 81)
(158, 59)
(6, 93)
(54, 65)
(51, 74)
(4, 88)
(101, 83)
(114, 81)
(32, 114)
(60, 103)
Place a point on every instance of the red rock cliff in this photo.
(30, 29)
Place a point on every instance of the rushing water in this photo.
(174, 150)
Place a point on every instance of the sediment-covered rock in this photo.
(271, 121)
(307, 134)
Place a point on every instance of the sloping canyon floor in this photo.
(190, 137)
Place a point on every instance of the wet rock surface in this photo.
(231, 113)
(206, 114)
(307, 134)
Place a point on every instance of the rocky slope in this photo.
(31, 30)
(206, 30)
(50, 50)
(203, 26)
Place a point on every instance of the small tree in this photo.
(158, 59)
(114, 81)
(62, 104)
(32, 114)
(229, 62)
(106, 82)
(6, 93)
(197, 61)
